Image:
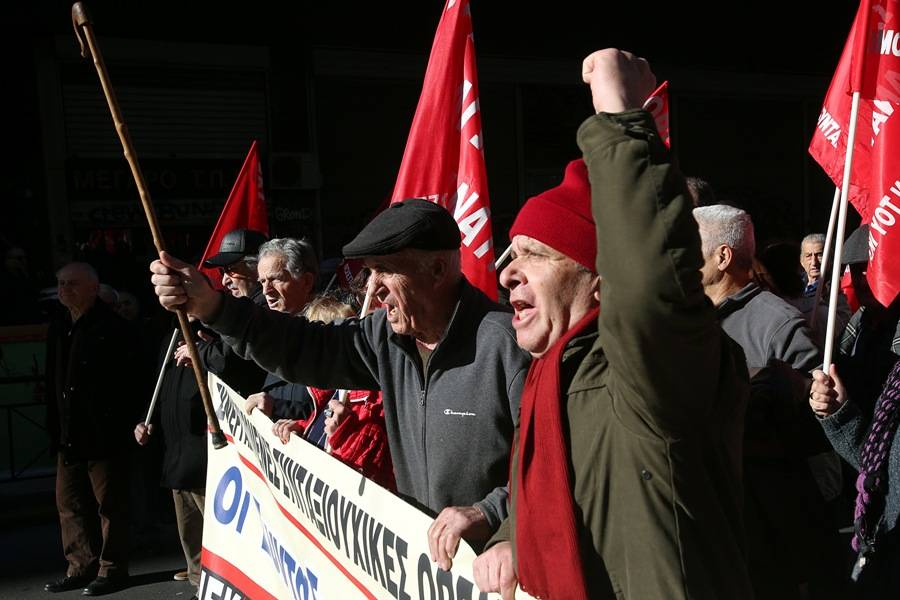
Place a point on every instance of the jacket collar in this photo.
(464, 306)
(739, 300)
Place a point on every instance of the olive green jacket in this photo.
(654, 399)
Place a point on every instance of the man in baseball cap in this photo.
(437, 342)
(237, 261)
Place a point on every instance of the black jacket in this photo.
(289, 400)
(180, 419)
(242, 375)
(91, 387)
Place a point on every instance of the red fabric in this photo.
(875, 176)
(444, 158)
(657, 104)
(849, 291)
(360, 441)
(561, 217)
(548, 558)
(347, 270)
(320, 402)
(244, 209)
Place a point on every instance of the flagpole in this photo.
(839, 236)
(826, 254)
(162, 370)
(81, 22)
(330, 282)
(503, 257)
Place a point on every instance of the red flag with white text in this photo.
(444, 157)
(347, 271)
(871, 61)
(657, 104)
(244, 209)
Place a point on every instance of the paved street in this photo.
(31, 553)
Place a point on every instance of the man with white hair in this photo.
(90, 359)
(287, 270)
(789, 470)
(762, 323)
(811, 250)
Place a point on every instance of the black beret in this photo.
(411, 223)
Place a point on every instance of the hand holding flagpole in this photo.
(839, 239)
(84, 31)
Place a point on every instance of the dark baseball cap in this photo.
(411, 223)
(236, 244)
(856, 247)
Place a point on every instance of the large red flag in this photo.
(444, 157)
(244, 209)
(870, 64)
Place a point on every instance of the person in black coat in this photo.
(180, 419)
(91, 355)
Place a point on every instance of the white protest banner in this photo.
(288, 521)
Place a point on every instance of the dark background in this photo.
(329, 89)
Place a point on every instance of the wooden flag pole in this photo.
(826, 254)
(84, 31)
(839, 237)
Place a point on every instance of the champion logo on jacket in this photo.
(456, 413)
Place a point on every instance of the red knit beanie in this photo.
(561, 217)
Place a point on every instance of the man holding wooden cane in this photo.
(442, 353)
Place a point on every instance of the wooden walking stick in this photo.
(84, 31)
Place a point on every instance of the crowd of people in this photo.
(646, 418)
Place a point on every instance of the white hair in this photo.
(298, 254)
(814, 238)
(721, 224)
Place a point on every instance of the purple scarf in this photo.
(871, 484)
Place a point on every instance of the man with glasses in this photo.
(237, 262)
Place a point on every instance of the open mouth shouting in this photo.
(524, 312)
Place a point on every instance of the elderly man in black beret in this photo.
(442, 353)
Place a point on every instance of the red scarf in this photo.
(547, 552)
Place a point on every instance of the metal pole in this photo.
(162, 369)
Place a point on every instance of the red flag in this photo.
(869, 63)
(347, 270)
(444, 158)
(244, 209)
(657, 104)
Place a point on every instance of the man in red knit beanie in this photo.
(554, 235)
(625, 479)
